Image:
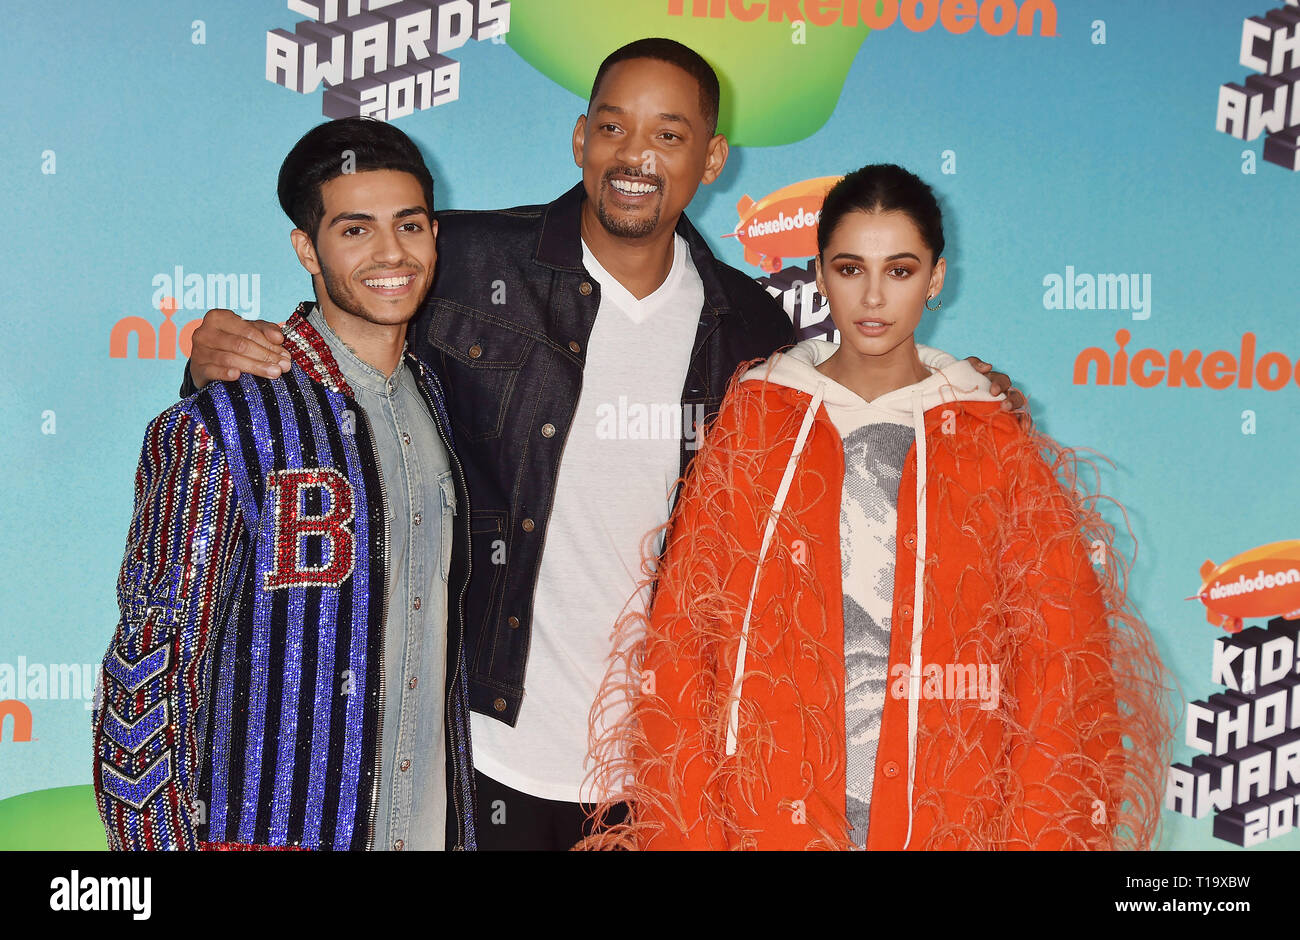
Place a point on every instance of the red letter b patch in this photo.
(329, 492)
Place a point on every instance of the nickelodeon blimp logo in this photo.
(1261, 583)
(783, 224)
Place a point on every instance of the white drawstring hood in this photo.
(951, 380)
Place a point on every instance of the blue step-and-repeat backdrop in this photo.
(1121, 182)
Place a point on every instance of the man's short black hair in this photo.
(348, 145)
(674, 53)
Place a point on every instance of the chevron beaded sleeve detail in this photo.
(172, 589)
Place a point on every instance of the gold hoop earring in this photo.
(937, 305)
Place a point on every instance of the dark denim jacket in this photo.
(506, 326)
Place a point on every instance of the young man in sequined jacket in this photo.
(288, 668)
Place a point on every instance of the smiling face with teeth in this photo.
(645, 147)
(373, 258)
(876, 272)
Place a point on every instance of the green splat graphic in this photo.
(774, 91)
(63, 819)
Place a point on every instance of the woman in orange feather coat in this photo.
(887, 615)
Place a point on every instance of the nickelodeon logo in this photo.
(995, 17)
(21, 726)
(161, 343)
(1263, 582)
(783, 224)
(1218, 370)
(197, 292)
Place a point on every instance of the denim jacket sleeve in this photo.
(148, 725)
(187, 382)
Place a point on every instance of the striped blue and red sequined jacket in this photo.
(243, 691)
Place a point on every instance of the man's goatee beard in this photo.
(620, 228)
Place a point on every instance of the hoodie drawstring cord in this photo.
(733, 720)
(918, 605)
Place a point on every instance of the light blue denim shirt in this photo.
(421, 501)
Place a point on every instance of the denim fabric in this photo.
(420, 504)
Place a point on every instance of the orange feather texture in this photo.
(1021, 573)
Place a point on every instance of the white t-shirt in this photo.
(620, 461)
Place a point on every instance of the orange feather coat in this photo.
(1072, 753)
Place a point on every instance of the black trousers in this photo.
(509, 820)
